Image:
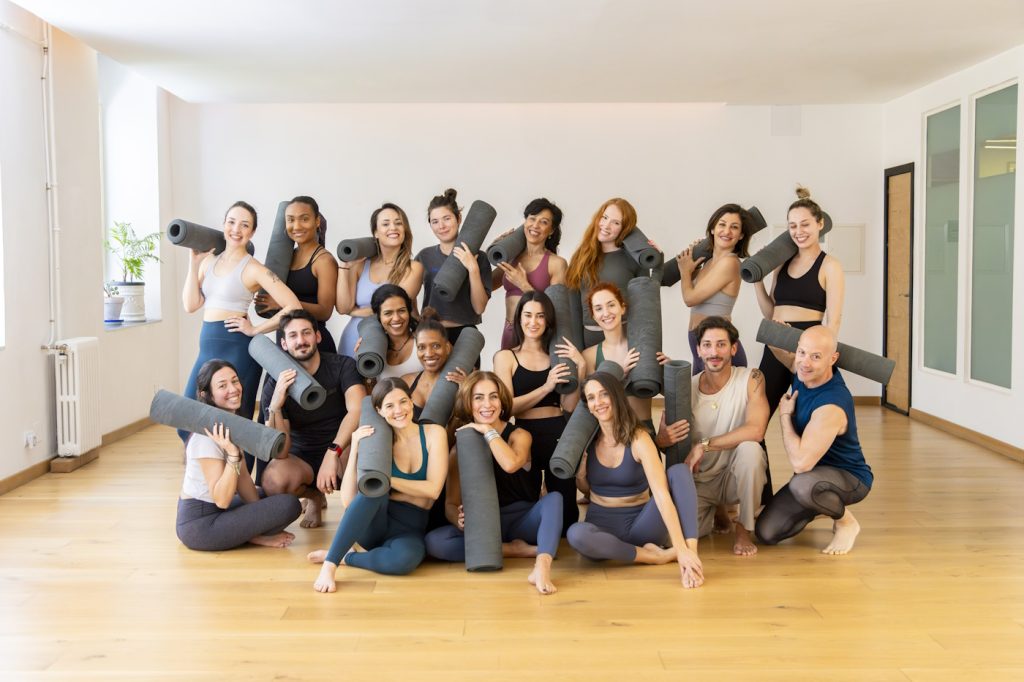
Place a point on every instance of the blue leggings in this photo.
(738, 360)
(616, 532)
(538, 523)
(390, 531)
(216, 342)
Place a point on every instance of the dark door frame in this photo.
(890, 172)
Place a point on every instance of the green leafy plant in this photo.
(132, 251)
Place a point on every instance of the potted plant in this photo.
(112, 302)
(132, 252)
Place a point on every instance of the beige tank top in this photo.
(716, 414)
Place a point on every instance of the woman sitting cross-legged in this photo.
(389, 528)
(531, 525)
(634, 506)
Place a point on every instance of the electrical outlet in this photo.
(31, 440)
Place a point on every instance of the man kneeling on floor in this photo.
(819, 432)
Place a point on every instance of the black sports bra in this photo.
(803, 291)
(527, 380)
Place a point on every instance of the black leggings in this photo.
(823, 490)
(546, 433)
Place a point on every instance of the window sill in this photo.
(115, 326)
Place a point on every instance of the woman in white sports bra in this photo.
(223, 285)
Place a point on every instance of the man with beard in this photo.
(730, 415)
(316, 441)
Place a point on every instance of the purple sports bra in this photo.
(539, 278)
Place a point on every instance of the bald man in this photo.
(819, 432)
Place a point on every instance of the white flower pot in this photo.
(134, 309)
(112, 308)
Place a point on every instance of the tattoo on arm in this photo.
(757, 376)
(271, 275)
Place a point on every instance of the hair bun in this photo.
(428, 313)
(802, 192)
(450, 194)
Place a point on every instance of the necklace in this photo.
(404, 344)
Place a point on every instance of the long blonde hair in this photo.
(403, 262)
(587, 259)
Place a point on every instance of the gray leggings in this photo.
(538, 523)
(205, 526)
(616, 532)
(823, 490)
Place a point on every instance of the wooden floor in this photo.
(95, 585)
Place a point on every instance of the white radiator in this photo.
(77, 373)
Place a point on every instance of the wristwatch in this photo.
(336, 448)
(704, 442)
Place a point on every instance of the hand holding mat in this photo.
(305, 390)
(452, 275)
(441, 402)
(373, 348)
(373, 464)
(560, 296)
(199, 237)
(171, 409)
(479, 501)
(508, 248)
(678, 375)
(279, 252)
(855, 360)
(705, 249)
(642, 250)
(774, 254)
(643, 332)
(579, 431)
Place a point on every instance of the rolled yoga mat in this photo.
(171, 409)
(354, 249)
(576, 317)
(643, 252)
(560, 297)
(373, 348)
(774, 254)
(452, 275)
(279, 252)
(305, 390)
(643, 332)
(578, 432)
(374, 461)
(704, 249)
(854, 360)
(441, 402)
(199, 237)
(479, 502)
(507, 249)
(678, 375)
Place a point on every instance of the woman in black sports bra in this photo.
(526, 370)
(807, 290)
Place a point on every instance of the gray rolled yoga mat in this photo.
(678, 375)
(576, 317)
(452, 275)
(642, 251)
(508, 248)
(279, 252)
(578, 432)
(354, 249)
(479, 502)
(305, 390)
(441, 402)
(851, 359)
(373, 347)
(704, 249)
(560, 297)
(774, 254)
(199, 237)
(171, 409)
(643, 331)
(373, 464)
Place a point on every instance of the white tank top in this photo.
(716, 414)
(226, 292)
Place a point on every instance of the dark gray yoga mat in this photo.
(479, 502)
(705, 250)
(560, 297)
(171, 409)
(452, 275)
(373, 464)
(508, 248)
(643, 331)
(354, 249)
(851, 359)
(578, 432)
(373, 348)
(441, 402)
(774, 254)
(199, 237)
(305, 391)
(678, 374)
(576, 316)
(279, 253)
(642, 251)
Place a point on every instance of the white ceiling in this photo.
(735, 51)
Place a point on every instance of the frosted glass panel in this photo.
(995, 169)
(941, 239)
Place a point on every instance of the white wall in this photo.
(993, 411)
(675, 163)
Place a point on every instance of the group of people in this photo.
(637, 509)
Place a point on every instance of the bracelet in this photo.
(491, 435)
(344, 268)
(236, 464)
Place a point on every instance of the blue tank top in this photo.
(845, 452)
(421, 473)
(625, 480)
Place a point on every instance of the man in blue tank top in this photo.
(819, 432)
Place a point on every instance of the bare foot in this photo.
(540, 577)
(282, 539)
(723, 522)
(325, 581)
(315, 502)
(317, 556)
(744, 544)
(690, 568)
(845, 532)
(654, 554)
(518, 549)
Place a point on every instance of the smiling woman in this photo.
(392, 305)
